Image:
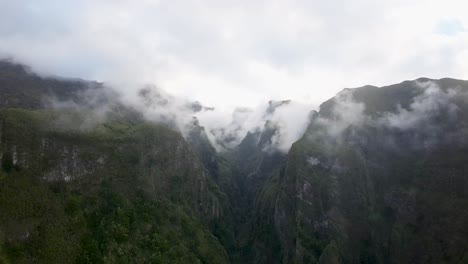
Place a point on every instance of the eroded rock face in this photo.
(133, 160)
(162, 161)
(378, 185)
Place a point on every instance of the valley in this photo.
(378, 176)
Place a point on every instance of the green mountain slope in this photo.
(379, 177)
(118, 192)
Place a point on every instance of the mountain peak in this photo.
(273, 105)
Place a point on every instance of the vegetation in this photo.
(107, 215)
(79, 188)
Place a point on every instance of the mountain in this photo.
(119, 190)
(379, 176)
(22, 88)
(253, 162)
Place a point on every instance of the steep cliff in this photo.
(379, 177)
(77, 187)
(115, 191)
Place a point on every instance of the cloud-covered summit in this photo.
(416, 114)
(230, 53)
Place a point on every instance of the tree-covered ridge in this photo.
(379, 177)
(114, 193)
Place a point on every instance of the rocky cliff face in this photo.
(129, 161)
(78, 188)
(379, 177)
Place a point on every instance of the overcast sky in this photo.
(239, 53)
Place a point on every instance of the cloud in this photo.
(238, 53)
(450, 27)
(313, 161)
(435, 116)
(345, 112)
(289, 118)
(431, 103)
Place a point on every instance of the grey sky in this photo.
(239, 53)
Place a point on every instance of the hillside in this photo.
(123, 190)
(379, 176)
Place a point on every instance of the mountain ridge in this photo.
(379, 176)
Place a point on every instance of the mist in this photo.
(228, 130)
(432, 102)
(289, 119)
(429, 120)
(225, 130)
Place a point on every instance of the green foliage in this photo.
(142, 230)
(34, 221)
(7, 162)
(134, 203)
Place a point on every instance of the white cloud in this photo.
(432, 117)
(290, 119)
(229, 53)
(346, 112)
(432, 102)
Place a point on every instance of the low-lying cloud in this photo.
(433, 116)
(289, 118)
(225, 131)
(346, 112)
(433, 101)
